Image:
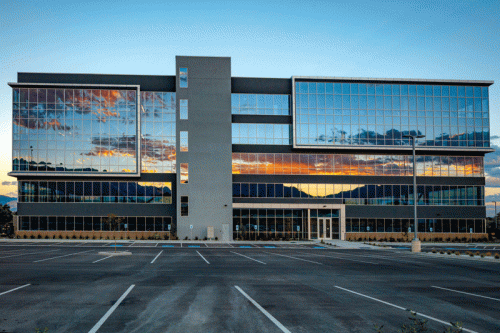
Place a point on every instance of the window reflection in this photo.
(261, 134)
(363, 194)
(260, 104)
(94, 223)
(74, 130)
(380, 114)
(96, 192)
(158, 141)
(360, 165)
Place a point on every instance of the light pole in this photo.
(496, 220)
(415, 244)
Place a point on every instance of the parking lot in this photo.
(234, 287)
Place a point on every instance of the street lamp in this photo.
(496, 219)
(415, 244)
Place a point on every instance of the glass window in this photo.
(183, 141)
(184, 173)
(184, 206)
(183, 77)
(183, 109)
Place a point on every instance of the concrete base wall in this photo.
(133, 235)
(423, 236)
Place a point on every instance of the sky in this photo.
(394, 39)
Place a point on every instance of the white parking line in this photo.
(24, 254)
(404, 309)
(230, 245)
(67, 255)
(110, 311)
(267, 314)
(131, 244)
(157, 244)
(8, 291)
(314, 262)
(248, 257)
(463, 292)
(157, 256)
(203, 257)
(101, 259)
(205, 244)
(342, 258)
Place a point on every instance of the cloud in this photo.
(152, 150)
(39, 124)
(9, 183)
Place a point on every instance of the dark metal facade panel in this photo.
(320, 179)
(423, 212)
(251, 85)
(287, 201)
(145, 177)
(259, 119)
(147, 82)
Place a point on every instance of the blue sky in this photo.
(397, 39)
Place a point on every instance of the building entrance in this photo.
(325, 228)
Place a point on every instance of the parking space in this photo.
(238, 288)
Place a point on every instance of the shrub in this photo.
(195, 237)
(39, 236)
(60, 237)
(477, 253)
(216, 238)
(482, 255)
(67, 236)
(467, 252)
(205, 238)
(457, 253)
(74, 237)
(32, 236)
(471, 254)
(93, 236)
(442, 252)
(46, 236)
(121, 237)
(488, 254)
(186, 238)
(434, 251)
(497, 256)
(448, 252)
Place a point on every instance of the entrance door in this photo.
(324, 228)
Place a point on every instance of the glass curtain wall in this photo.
(74, 130)
(356, 165)
(374, 114)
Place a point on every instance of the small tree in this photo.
(112, 222)
(6, 225)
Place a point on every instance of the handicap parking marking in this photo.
(245, 247)
(168, 246)
(117, 245)
(193, 246)
(319, 247)
(269, 247)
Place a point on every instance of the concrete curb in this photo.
(459, 257)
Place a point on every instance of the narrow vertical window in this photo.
(184, 206)
(183, 109)
(183, 77)
(184, 173)
(184, 141)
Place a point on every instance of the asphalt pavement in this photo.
(235, 287)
